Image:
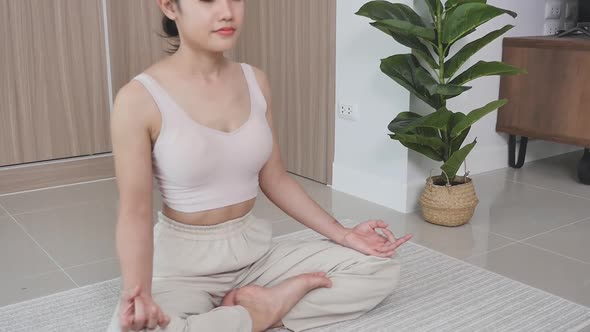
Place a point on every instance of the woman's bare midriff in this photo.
(210, 217)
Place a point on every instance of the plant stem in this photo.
(441, 51)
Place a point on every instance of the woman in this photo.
(202, 125)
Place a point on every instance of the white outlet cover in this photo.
(553, 10)
(348, 111)
(551, 27)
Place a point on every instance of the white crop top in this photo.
(199, 168)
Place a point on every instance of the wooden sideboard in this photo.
(550, 102)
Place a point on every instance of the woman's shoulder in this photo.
(257, 70)
(133, 101)
(134, 93)
(132, 96)
(262, 80)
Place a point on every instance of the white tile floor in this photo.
(532, 225)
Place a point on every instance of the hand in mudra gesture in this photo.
(364, 238)
(139, 311)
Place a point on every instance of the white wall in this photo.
(367, 163)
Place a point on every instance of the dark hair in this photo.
(171, 32)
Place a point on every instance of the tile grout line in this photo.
(536, 235)
(489, 251)
(39, 245)
(31, 276)
(515, 241)
(530, 237)
(532, 245)
(547, 189)
(555, 253)
(69, 205)
(560, 227)
(57, 187)
(93, 262)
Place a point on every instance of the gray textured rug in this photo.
(436, 293)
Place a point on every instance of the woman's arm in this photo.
(131, 142)
(286, 193)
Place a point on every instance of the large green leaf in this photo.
(447, 46)
(457, 142)
(452, 65)
(435, 120)
(432, 7)
(434, 88)
(405, 27)
(483, 68)
(425, 150)
(383, 10)
(449, 90)
(454, 162)
(425, 131)
(402, 68)
(402, 120)
(475, 115)
(412, 42)
(421, 134)
(465, 17)
(453, 3)
(435, 143)
(426, 56)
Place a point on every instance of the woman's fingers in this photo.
(404, 239)
(386, 249)
(127, 309)
(392, 246)
(125, 320)
(140, 317)
(389, 235)
(153, 315)
(128, 296)
(163, 320)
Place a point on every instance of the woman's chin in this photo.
(223, 43)
(220, 47)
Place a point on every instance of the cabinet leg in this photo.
(584, 167)
(512, 151)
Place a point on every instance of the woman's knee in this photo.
(388, 275)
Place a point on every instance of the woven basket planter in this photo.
(448, 205)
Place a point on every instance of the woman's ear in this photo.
(170, 8)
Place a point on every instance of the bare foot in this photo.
(267, 306)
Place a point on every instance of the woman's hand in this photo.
(364, 238)
(138, 311)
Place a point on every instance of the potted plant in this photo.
(432, 73)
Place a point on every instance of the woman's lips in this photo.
(226, 31)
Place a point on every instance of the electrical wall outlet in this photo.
(348, 112)
(551, 27)
(553, 9)
(571, 11)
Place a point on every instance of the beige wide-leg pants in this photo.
(195, 266)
